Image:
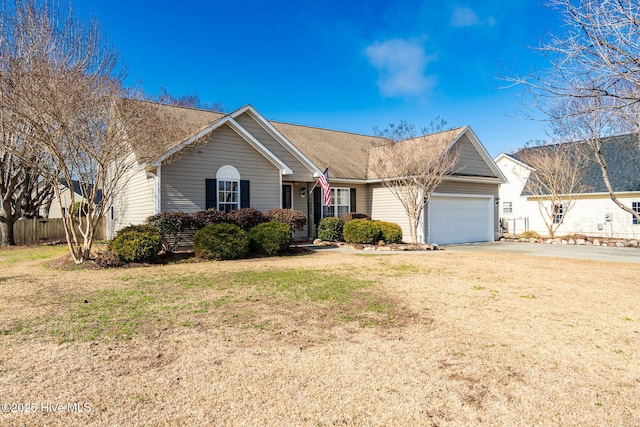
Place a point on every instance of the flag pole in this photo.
(316, 184)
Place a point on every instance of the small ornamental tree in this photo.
(172, 224)
(246, 218)
(209, 216)
(296, 219)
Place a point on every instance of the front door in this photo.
(287, 199)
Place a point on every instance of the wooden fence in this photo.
(38, 230)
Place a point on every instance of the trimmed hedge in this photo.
(137, 243)
(270, 238)
(171, 224)
(246, 218)
(330, 229)
(361, 231)
(390, 232)
(209, 216)
(220, 242)
(296, 219)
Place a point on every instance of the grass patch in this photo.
(302, 285)
(31, 253)
(245, 299)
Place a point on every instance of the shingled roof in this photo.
(622, 154)
(346, 154)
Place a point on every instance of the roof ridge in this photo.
(325, 129)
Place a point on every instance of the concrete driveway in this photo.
(595, 253)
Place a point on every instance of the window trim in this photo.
(334, 206)
(558, 215)
(636, 207)
(504, 207)
(227, 174)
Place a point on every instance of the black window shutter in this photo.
(244, 194)
(211, 198)
(352, 198)
(317, 205)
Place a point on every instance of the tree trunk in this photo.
(6, 233)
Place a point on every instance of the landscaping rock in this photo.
(572, 242)
(564, 242)
(581, 242)
(589, 243)
(596, 242)
(549, 241)
(633, 243)
(620, 244)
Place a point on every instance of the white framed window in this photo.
(340, 203)
(507, 207)
(558, 213)
(228, 188)
(636, 208)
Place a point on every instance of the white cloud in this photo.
(467, 17)
(401, 66)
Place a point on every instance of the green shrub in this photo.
(361, 231)
(210, 216)
(330, 229)
(137, 243)
(270, 238)
(390, 232)
(220, 242)
(171, 224)
(246, 218)
(296, 219)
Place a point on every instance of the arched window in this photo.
(228, 179)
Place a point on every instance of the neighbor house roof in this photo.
(622, 154)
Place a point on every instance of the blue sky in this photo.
(345, 65)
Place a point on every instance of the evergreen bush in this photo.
(330, 229)
(390, 232)
(221, 241)
(137, 243)
(270, 238)
(361, 231)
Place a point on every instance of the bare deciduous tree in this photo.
(592, 87)
(556, 181)
(23, 191)
(412, 169)
(61, 83)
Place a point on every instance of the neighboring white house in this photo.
(240, 159)
(58, 211)
(594, 213)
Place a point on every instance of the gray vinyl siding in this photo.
(299, 204)
(300, 172)
(471, 162)
(183, 181)
(454, 187)
(385, 206)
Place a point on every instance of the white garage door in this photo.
(464, 219)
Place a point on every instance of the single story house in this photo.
(594, 213)
(241, 159)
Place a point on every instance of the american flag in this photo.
(326, 188)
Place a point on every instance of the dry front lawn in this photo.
(429, 339)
